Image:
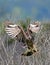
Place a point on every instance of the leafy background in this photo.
(11, 49)
(23, 12)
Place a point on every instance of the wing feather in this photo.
(34, 27)
(12, 30)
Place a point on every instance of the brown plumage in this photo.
(13, 31)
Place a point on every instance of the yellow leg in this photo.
(28, 52)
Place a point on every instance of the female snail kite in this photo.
(13, 30)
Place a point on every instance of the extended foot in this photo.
(27, 53)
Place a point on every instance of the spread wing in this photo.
(13, 30)
(34, 27)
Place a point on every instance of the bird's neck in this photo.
(25, 34)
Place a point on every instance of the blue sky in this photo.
(21, 9)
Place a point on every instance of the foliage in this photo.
(10, 41)
(46, 27)
(24, 24)
(2, 28)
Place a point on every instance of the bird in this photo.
(13, 30)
